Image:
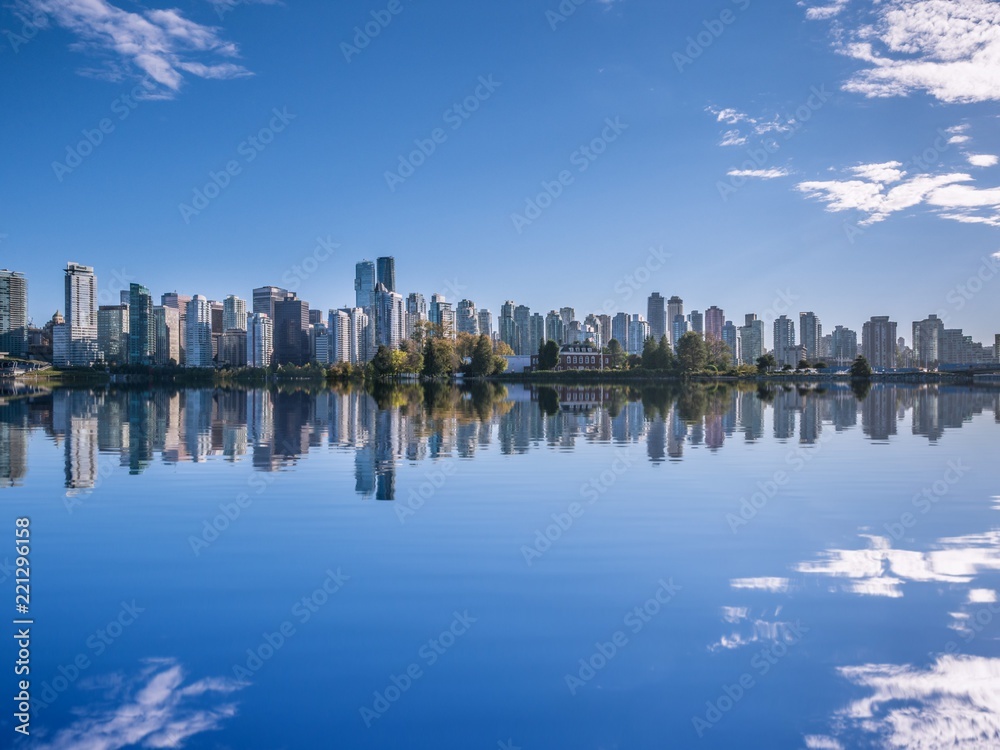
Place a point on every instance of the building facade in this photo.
(13, 313)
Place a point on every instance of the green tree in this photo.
(382, 364)
(548, 355)
(617, 354)
(718, 353)
(414, 356)
(440, 358)
(766, 362)
(482, 358)
(503, 349)
(649, 353)
(664, 355)
(803, 364)
(691, 352)
(860, 369)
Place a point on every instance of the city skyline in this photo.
(882, 179)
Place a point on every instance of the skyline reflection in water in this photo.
(838, 552)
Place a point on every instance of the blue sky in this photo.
(861, 138)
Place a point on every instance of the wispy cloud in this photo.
(744, 126)
(949, 49)
(162, 45)
(823, 10)
(763, 174)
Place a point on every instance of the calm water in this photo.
(571, 568)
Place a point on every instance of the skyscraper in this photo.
(843, 346)
(656, 315)
(485, 322)
(878, 342)
(926, 337)
(291, 331)
(810, 334)
(234, 314)
(260, 340)
(81, 315)
(390, 317)
(13, 313)
(179, 302)
(638, 332)
(677, 329)
(751, 339)
(199, 332)
(386, 268)
(508, 330)
(715, 318)
(364, 283)
(697, 322)
(619, 329)
(141, 326)
(568, 315)
(339, 326)
(675, 307)
(441, 314)
(166, 323)
(112, 333)
(416, 314)
(522, 314)
(466, 320)
(536, 332)
(264, 298)
(784, 341)
(731, 338)
(554, 327)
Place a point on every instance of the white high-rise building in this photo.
(485, 318)
(465, 317)
(234, 314)
(416, 314)
(260, 340)
(358, 340)
(810, 335)
(390, 317)
(319, 343)
(638, 332)
(81, 315)
(339, 326)
(199, 332)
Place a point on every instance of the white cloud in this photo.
(751, 126)
(733, 138)
(949, 49)
(825, 10)
(982, 160)
(763, 174)
(776, 585)
(160, 44)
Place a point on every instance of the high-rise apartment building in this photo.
(291, 331)
(730, 336)
(843, 346)
(386, 272)
(751, 339)
(339, 329)
(166, 323)
(442, 315)
(678, 328)
(112, 333)
(416, 315)
(675, 307)
(926, 337)
(785, 351)
(466, 320)
(697, 322)
(81, 314)
(554, 327)
(810, 335)
(878, 342)
(260, 340)
(365, 279)
(319, 342)
(199, 332)
(390, 317)
(508, 329)
(141, 326)
(13, 313)
(234, 314)
(536, 332)
(656, 315)
(233, 348)
(638, 332)
(568, 315)
(715, 318)
(485, 322)
(619, 329)
(179, 302)
(522, 315)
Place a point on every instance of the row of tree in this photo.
(440, 357)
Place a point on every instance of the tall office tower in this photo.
(358, 327)
(466, 320)
(179, 302)
(233, 348)
(878, 342)
(536, 332)
(843, 346)
(600, 333)
(234, 314)
(260, 340)
(339, 327)
(291, 331)
(315, 317)
(141, 326)
(619, 329)
(605, 321)
(60, 341)
(554, 327)
(810, 335)
(442, 314)
(638, 332)
(218, 322)
(416, 314)
(675, 307)
(386, 272)
(508, 330)
(715, 318)
(731, 338)
(752, 339)
(265, 297)
(697, 322)
(167, 324)
(13, 313)
(485, 323)
(112, 333)
(826, 346)
(784, 342)
(522, 314)
(677, 329)
(81, 314)
(656, 315)
(568, 315)
(926, 335)
(390, 317)
(199, 332)
(319, 342)
(364, 283)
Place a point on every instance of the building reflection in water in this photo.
(276, 428)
